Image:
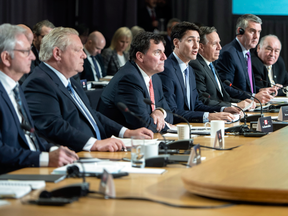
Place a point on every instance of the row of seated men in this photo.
(61, 111)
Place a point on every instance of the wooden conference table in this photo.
(167, 187)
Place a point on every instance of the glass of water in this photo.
(137, 151)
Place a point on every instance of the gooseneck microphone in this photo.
(253, 117)
(260, 79)
(149, 102)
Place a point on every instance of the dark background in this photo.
(108, 15)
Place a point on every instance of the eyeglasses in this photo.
(25, 52)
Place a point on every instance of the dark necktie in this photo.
(96, 67)
(25, 124)
(249, 69)
(187, 86)
(215, 76)
(84, 110)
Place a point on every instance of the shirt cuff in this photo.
(163, 111)
(222, 109)
(206, 117)
(234, 104)
(44, 159)
(122, 131)
(89, 144)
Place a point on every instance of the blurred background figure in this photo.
(169, 43)
(136, 30)
(117, 54)
(83, 31)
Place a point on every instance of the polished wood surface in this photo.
(167, 187)
(253, 172)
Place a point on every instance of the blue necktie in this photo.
(85, 110)
(213, 70)
(187, 85)
(96, 67)
(25, 120)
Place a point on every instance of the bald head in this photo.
(28, 32)
(95, 43)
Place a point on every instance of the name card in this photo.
(195, 156)
(283, 113)
(265, 124)
(219, 139)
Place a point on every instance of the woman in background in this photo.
(117, 54)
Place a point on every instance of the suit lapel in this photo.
(115, 59)
(243, 63)
(7, 100)
(179, 76)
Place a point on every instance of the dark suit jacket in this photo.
(111, 63)
(280, 74)
(175, 93)
(205, 82)
(55, 113)
(168, 46)
(14, 149)
(128, 87)
(87, 73)
(231, 66)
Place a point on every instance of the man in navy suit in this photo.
(93, 64)
(19, 145)
(178, 79)
(234, 63)
(59, 106)
(137, 80)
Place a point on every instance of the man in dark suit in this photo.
(137, 80)
(178, 78)
(19, 145)
(268, 66)
(234, 63)
(40, 29)
(148, 16)
(60, 107)
(93, 64)
(169, 44)
(207, 78)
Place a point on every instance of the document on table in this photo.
(127, 141)
(110, 166)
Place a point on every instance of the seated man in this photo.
(207, 78)
(58, 104)
(178, 79)
(137, 80)
(19, 146)
(93, 64)
(268, 66)
(234, 63)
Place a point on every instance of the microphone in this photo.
(260, 79)
(252, 117)
(149, 102)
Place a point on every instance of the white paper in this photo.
(127, 141)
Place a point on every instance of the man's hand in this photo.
(144, 132)
(245, 103)
(110, 144)
(231, 110)
(221, 116)
(270, 90)
(264, 96)
(158, 118)
(278, 86)
(62, 156)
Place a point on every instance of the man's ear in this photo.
(57, 54)
(6, 58)
(176, 42)
(139, 56)
(258, 48)
(201, 46)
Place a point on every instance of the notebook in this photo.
(47, 178)
(18, 189)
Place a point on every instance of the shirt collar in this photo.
(244, 51)
(87, 52)
(182, 65)
(144, 75)
(7, 82)
(60, 75)
(206, 61)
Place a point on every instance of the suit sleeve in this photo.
(106, 56)
(45, 109)
(226, 69)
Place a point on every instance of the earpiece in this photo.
(241, 31)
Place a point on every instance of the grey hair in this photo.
(8, 38)
(242, 21)
(58, 37)
(204, 31)
(169, 24)
(270, 35)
